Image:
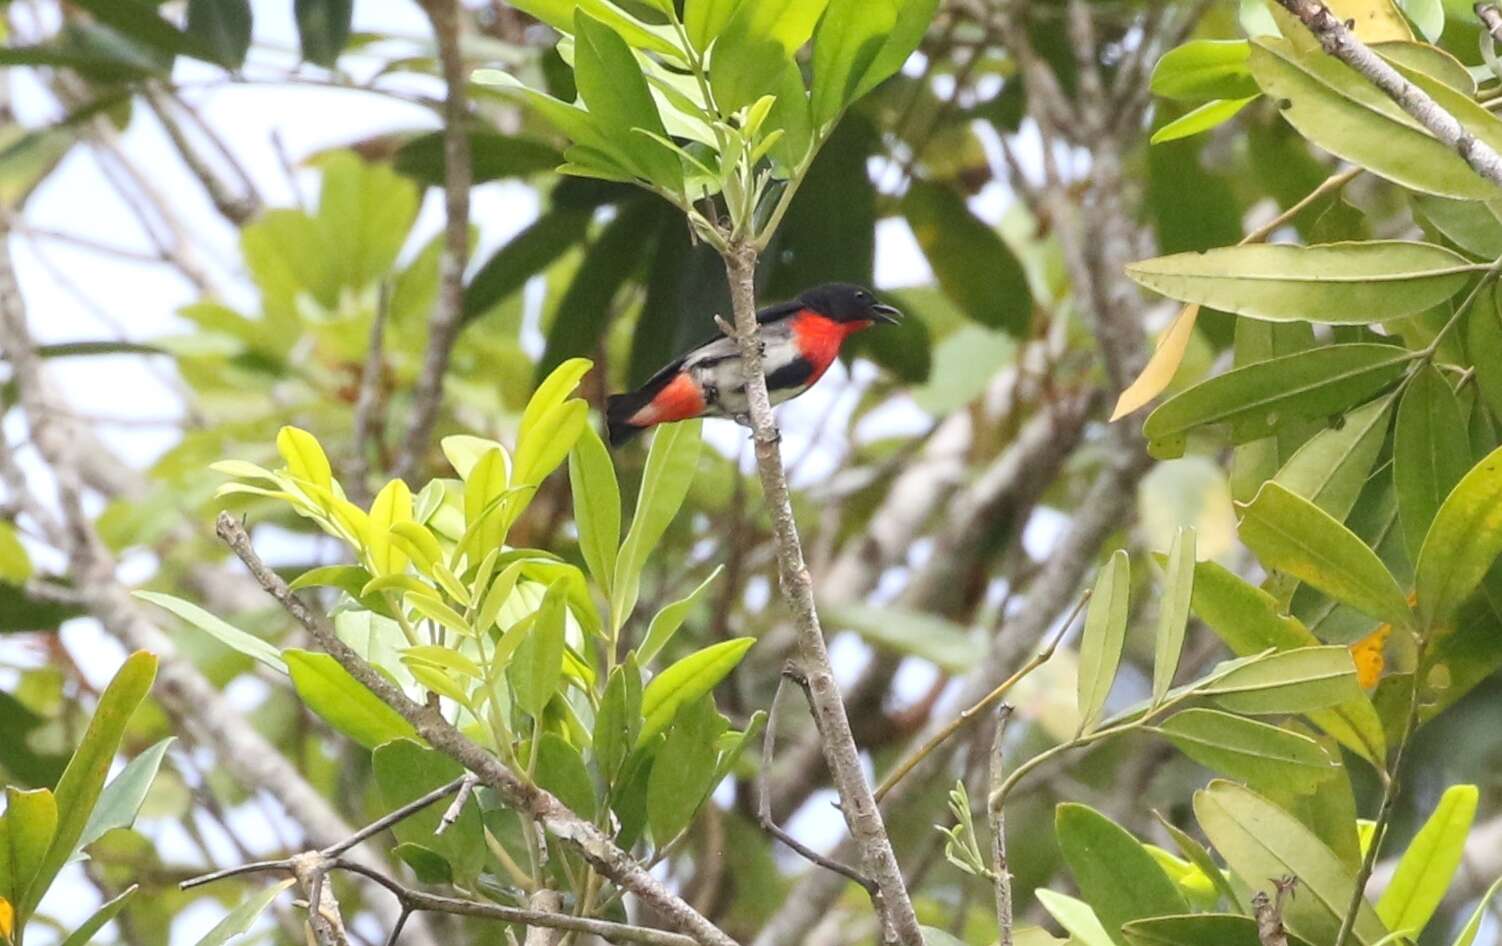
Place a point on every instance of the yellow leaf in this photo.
(7, 919)
(1367, 655)
(1376, 21)
(1161, 366)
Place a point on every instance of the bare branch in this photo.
(237, 208)
(466, 786)
(878, 861)
(368, 403)
(1337, 40)
(443, 327)
(997, 817)
(592, 844)
(1269, 912)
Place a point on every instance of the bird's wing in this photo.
(781, 310)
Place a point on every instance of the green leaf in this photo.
(849, 35)
(323, 28)
(96, 921)
(537, 667)
(223, 28)
(342, 701)
(348, 578)
(618, 723)
(1338, 110)
(686, 681)
(15, 564)
(31, 817)
(1292, 535)
(684, 771)
(428, 866)
(228, 635)
(1203, 118)
(1198, 929)
(1471, 225)
(1264, 397)
(1257, 753)
(141, 22)
(938, 640)
(1484, 343)
(612, 86)
(704, 19)
(539, 455)
(493, 157)
(1290, 681)
(597, 505)
(525, 255)
(1331, 467)
(1428, 16)
(123, 796)
(1205, 69)
(406, 771)
(1467, 934)
(665, 623)
(561, 772)
(1462, 542)
(1115, 873)
(671, 463)
(392, 505)
(1103, 637)
(1259, 840)
(1430, 453)
(241, 918)
(1076, 917)
(973, 265)
(1424, 872)
(304, 457)
(1332, 283)
(1173, 612)
(82, 781)
(913, 20)
(755, 42)
(1199, 856)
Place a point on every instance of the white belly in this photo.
(718, 370)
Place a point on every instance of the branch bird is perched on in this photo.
(800, 339)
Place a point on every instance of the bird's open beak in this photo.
(886, 313)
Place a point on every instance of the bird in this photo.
(800, 339)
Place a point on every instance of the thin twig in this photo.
(764, 795)
(400, 814)
(971, 712)
(1491, 18)
(369, 400)
(467, 784)
(1269, 912)
(443, 327)
(238, 209)
(995, 812)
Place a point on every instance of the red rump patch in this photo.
(679, 399)
(819, 338)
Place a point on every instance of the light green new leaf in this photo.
(1467, 934)
(704, 19)
(1203, 118)
(1103, 637)
(1462, 543)
(1116, 875)
(82, 781)
(686, 681)
(536, 669)
(1205, 69)
(1259, 840)
(614, 90)
(304, 456)
(671, 463)
(913, 20)
(464, 451)
(1430, 453)
(1198, 855)
(1173, 612)
(683, 771)
(96, 921)
(228, 635)
(123, 796)
(1261, 398)
(391, 506)
(540, 453)
(850, 34)
(1333, 283)
(239, 919)
(31, 817)
(1290, 681)
(619, 719)
(1423, 874)
(1076, 917)
(755, 42)
(15, 564)
(1338, 110)
(1429, 17)
(1258, 753)
(1330, 468)
(553, 391)
(665, 623)
(342, 701)
(597, 505)
(938, 640)
(1291, 534)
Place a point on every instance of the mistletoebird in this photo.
(800, 339)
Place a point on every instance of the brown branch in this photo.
(1338, 41)
(1269, 912)
(1491, 18)
(532, 802)
(443, 327)
(997, 816)
(237, 208)
(878, 860)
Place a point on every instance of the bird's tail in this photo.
(619, 408)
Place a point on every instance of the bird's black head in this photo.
(845, 302)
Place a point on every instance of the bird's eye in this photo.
(862, 296)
